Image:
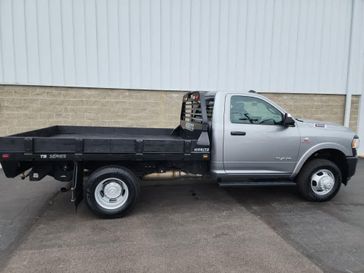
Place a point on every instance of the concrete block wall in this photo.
(25, 108)
(320, 107)
(354, 115)
(29, 107)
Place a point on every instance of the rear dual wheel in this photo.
(112, 191)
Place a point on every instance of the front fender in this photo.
(316, 148)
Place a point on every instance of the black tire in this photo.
(121, 174)
(308, 170)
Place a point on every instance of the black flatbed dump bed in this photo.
(190, 141)
(91, 143)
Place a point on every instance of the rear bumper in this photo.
(351, 161)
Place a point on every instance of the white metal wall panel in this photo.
(267, 45)
(356, 62)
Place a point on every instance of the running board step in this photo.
(256, 183)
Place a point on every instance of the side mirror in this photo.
(288, 121)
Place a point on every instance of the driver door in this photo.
(255, 141)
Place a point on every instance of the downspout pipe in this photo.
(347, 109)
(361, 125)
(348, 89)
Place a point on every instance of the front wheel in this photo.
(319, 180)
(112, 191)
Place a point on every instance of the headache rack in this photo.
(196, 115)
(196, 112)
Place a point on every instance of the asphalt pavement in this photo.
(330, 234)
(21, 203)
(193, 227)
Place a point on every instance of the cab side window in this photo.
(250, 110)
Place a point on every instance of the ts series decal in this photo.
(53, 156)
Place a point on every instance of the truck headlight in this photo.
(355, 143)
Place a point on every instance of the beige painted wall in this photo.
(24, 107)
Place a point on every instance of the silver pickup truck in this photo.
(235, 138)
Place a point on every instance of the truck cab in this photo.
(255, 139)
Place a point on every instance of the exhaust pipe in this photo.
(169, 175)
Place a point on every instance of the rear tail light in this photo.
(5, 156)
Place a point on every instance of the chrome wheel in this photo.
(322, 182)
(111, 193)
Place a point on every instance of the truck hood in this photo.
(323, 125)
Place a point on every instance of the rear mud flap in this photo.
(77, 184)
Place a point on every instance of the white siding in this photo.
(267, 45)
